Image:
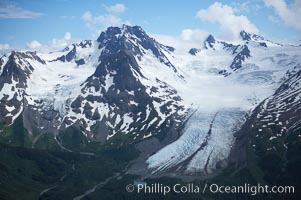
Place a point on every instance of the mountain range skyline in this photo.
(55, 27)
(219, 106)
(93, 105)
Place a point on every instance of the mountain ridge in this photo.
(126, 88)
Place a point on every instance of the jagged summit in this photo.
(124, 36)
(245, 36)
(257, 39)
(127, 38)
(249, 36)
(208, 44)
(134, 40)
(209, 41)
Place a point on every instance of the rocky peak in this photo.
(194, 51)
(133, 40)
(124, 32)
(209, 41)
(18, 67)
(245, 36)
(248, 36)
(129, 38)
(72, 52)
(32, 55)
(85, 44)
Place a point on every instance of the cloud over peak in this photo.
(230, 23)
(96, 23)
(34, 44)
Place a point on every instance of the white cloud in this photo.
(96, 23)
(4, 46)
(117, 8)
(56, 44)
(230, 24)
(194, 35)
(187, 39)
(34, 44)
(102, 20)
(109, 20)
(67, 36)
(11, 11)
(289, 14)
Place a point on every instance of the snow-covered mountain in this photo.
(225, 83)
(269, 141)
(125, 87)
(101, 87)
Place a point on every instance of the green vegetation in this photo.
(46, 141)
(15, 135)
(25, 172)
(73, 139)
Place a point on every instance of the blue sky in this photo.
(55, 23)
